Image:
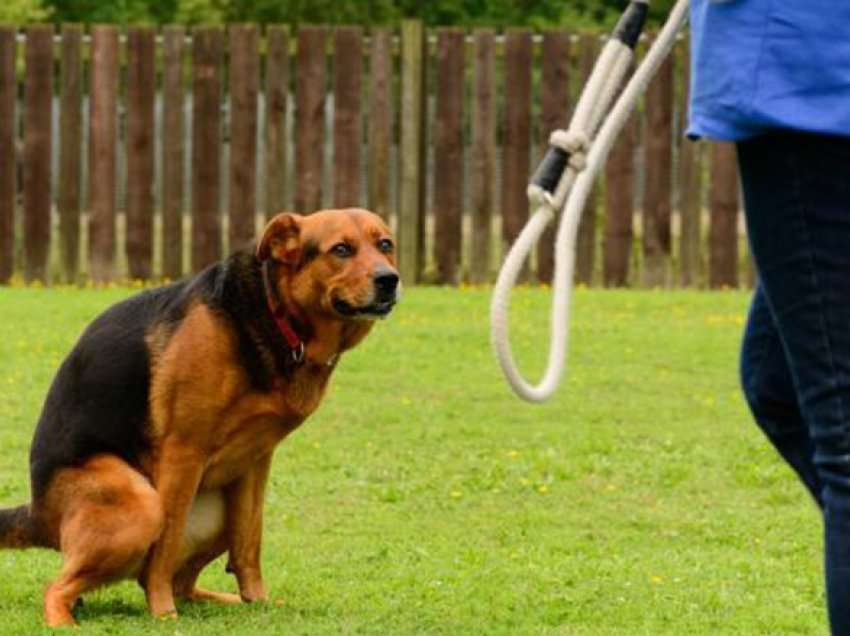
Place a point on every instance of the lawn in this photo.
(424, 498)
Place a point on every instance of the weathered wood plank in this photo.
(619, 208)
(141, 86)
(173, 166)
(483, 171)
(8, 93)
(448, 153)
(516, 140)
(244, 82)
(411, 219)
(347, 126)
(380, 121)
(309, 118)
(103, 93)
(723, 205)
(38, 127)
(207, 52)
(70, 143)
(277, 91)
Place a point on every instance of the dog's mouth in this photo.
(378, 309)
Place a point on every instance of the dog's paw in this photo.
(199, 594)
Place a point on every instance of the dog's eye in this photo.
(385, 246)
(343, 250)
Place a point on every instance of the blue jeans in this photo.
(795, 360)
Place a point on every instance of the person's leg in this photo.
(797, 196)
(769, 389)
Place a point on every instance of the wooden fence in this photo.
(148, 154)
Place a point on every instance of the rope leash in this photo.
(563, 181)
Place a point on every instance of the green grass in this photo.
(423, 498)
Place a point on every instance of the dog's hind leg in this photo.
(185, 581)
(108, 517)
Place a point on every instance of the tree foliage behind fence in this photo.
(150, 153)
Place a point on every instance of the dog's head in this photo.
(337, 264)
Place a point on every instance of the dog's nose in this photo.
(386, 282)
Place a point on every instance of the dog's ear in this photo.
(281, 239)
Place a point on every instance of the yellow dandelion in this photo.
(513, 454)
(542, 489)
(456, 494)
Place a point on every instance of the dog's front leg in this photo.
(177, 474)
(245, 499)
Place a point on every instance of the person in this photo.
(774, 77)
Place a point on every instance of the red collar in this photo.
(278, 312)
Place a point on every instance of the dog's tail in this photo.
(17, 529)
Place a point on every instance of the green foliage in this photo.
(498, 13)
(424, 498)
(22, 11)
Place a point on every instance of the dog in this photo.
(152, 452)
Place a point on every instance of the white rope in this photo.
(609, 71)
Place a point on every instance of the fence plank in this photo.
(658, 145)
(380, 121)
(411, 220)
(206, 141)
(554, 114)
(516, 134)
(102, 136)
(309, 118)
(173, 168)
(723, 203)
(619, 208)
(70, 142)
(277, 89)
(37, 150)
(448, 153)
(586, 238)
(8, 93)
(244, 80)
(483, 173)
(348, 69)
(690, 193)
(141, 84)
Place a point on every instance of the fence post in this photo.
(448, 155)
(516, 140)
(380, 121)
(206, 146)
(723, 235)
(658, 145)
(483, 173)
(412, 152)
(38, 131)
(102, 134)
(277, 90)
(244, 79)
(141, 86)
(70, 143)
(8, 92)
(347, 131)
(309, 118)
(173, 168)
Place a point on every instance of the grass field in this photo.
(423, 498)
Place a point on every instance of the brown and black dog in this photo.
(152, 452)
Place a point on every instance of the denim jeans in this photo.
(795, 360)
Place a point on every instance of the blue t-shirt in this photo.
(763, 64)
